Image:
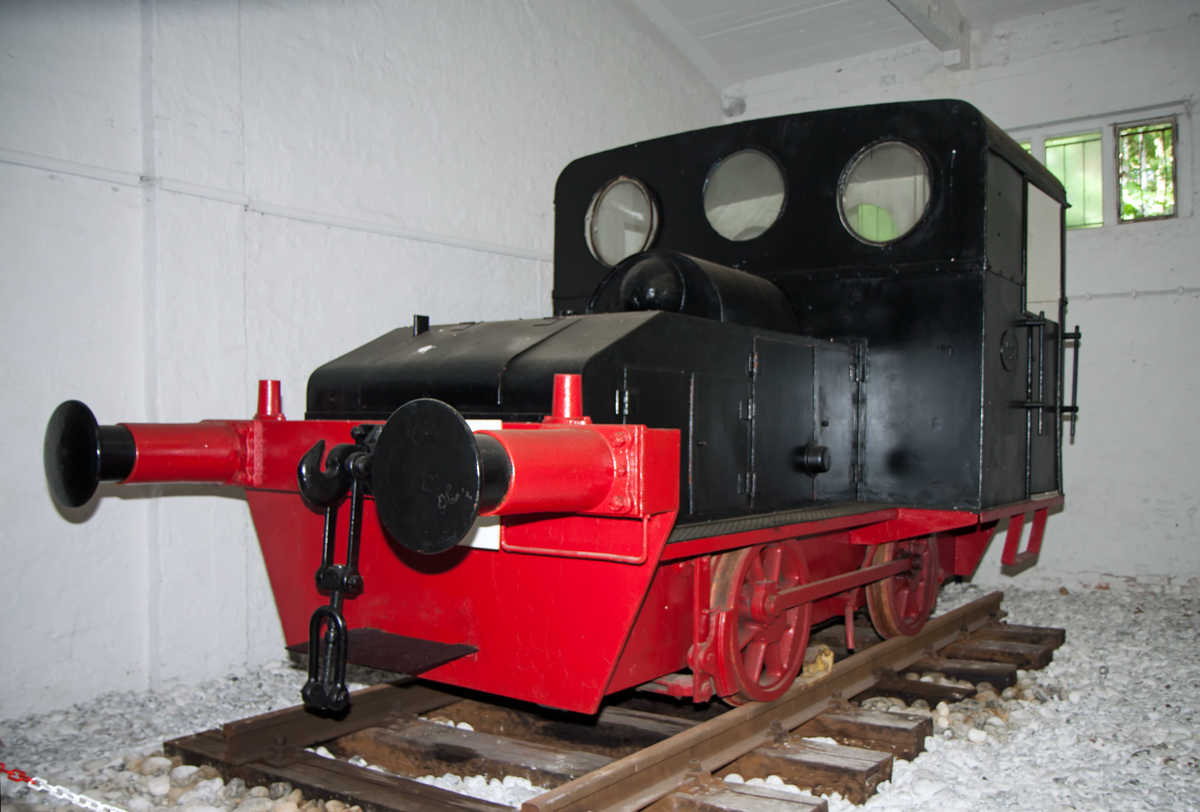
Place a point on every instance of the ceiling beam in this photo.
(695, 52)
(940, 22)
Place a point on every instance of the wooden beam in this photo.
(327, 778)
(1022, 655)
(722, 797)
(819, 767)
(1038, 635)
(1000, 675)
(616, 732)
(910, 690)
(901, 734)
(940, 22)
(423, 748)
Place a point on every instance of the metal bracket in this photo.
(1012, 540)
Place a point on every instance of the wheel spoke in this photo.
(772, 563)
(901, 599)
(787, 641)
(755, 571)
(772, 662)
(748, 632)
(774, 631)
(753, 659)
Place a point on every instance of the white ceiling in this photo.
(731, 41)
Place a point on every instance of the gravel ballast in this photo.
(1117, 729)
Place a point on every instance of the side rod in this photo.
(787, 598)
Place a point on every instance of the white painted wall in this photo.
(1132, 477)
(195, 195)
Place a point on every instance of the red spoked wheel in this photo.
(901, 604)
(759, 650)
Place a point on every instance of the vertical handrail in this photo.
(1073, 409)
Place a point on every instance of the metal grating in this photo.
(779, 518)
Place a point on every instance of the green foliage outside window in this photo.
(1076, 160)
(1146, 170)
(875, 223)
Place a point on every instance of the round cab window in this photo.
(622, 220)
(743, 195)
(884, 192)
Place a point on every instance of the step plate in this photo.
(374, 648)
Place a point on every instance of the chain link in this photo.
(14, 774)
(62, 793)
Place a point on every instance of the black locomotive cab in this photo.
(845, 306)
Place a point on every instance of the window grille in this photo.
(1146, 171)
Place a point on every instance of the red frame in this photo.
(573, 605)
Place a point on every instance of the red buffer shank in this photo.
(211, 451)
(555, 470)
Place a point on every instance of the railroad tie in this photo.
(1000, 675)
(854, 772)
(723, 797)
(328, 779)
(420, 748)
(616, 732)
(901, 734)
(1020, 655)
(1038, 635)
(911, 690)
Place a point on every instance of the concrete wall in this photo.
(1132, 476)
(195, 195)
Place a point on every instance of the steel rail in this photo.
(639, 780)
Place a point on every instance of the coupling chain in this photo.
(42, 785)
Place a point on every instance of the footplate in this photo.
(395, 652)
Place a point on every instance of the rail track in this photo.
(640, 753)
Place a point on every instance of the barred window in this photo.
(1077, 160)
(1146, 171)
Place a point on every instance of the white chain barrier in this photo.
(62, 793)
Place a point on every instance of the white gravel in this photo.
(58, 745)
(1124, 736)
(1120, 730)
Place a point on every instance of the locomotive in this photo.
(798, 366)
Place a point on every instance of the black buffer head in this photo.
(78, 454)
(431, 475)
